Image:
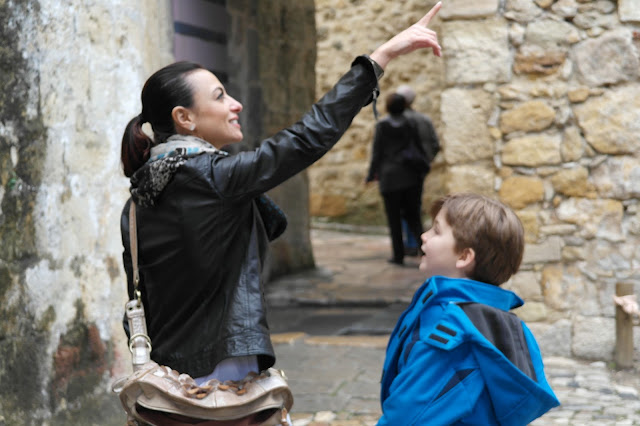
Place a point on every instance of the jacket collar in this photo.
(458, 290)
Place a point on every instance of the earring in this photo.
(192, 128)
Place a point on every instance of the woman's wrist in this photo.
(381, 58)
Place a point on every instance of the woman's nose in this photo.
(235, 105)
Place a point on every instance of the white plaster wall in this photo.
(90, 60)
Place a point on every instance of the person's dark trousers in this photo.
(410, 243)
(396, 203)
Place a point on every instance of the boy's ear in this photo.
(182, 119)
(466, 259)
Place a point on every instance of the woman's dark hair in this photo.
(163, 91)
(395, 104)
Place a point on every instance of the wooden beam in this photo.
(623, 354)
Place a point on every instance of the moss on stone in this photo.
(22, 341)
(21, 355)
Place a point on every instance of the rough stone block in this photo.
(520, 191)
(565, 8)
(521, 10)
(629, 10)
(529, 116)
(531, 312)
(550, 34)
(526, 285)
(618, 177)
(465, 136)
(328, 205)
(578, 95)
(474, 178)
(535, 60)
(608, 59)
(573, 183)
(594, 338)
(547, 251)
(476, 51)
(468, 9)
(573, 147)
(565, 288)
(532, 151)
(531, 224)
(553, 339)
(597, 218)
(611, 122)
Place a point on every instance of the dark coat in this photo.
(426, 133)
(392, 136)
(203, 244)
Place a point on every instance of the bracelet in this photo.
(377, 69)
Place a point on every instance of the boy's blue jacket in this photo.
(443, 365)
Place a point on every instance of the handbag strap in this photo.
(139, 340)
(133, 244)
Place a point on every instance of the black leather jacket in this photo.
(202, 245)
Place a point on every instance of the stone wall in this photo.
(346, 29)
(536, 103)
(70, 72)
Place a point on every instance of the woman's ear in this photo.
(466, 260)
(183, 120)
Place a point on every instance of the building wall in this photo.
(536, 103)
(70, 80)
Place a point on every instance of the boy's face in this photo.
(438, 245)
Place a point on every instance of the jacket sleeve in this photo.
(291, 150)
(432, 387)
(434, 142)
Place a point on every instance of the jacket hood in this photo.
(516, 398)
(148, 182)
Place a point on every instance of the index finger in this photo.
(430, 14)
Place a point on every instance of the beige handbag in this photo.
(158, 395)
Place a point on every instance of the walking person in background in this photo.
(426, 132)
(203, 223)
(431, 145)
(400, 184)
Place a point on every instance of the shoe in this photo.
(395, 262)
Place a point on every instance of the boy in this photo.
(457, 356)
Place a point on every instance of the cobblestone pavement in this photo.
(335, 379)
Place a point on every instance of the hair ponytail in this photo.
(136, 146)
(164, 90)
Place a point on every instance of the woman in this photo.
(203, 224)
(400, 184)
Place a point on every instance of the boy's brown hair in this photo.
(490, 228)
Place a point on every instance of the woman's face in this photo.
(215, 113)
